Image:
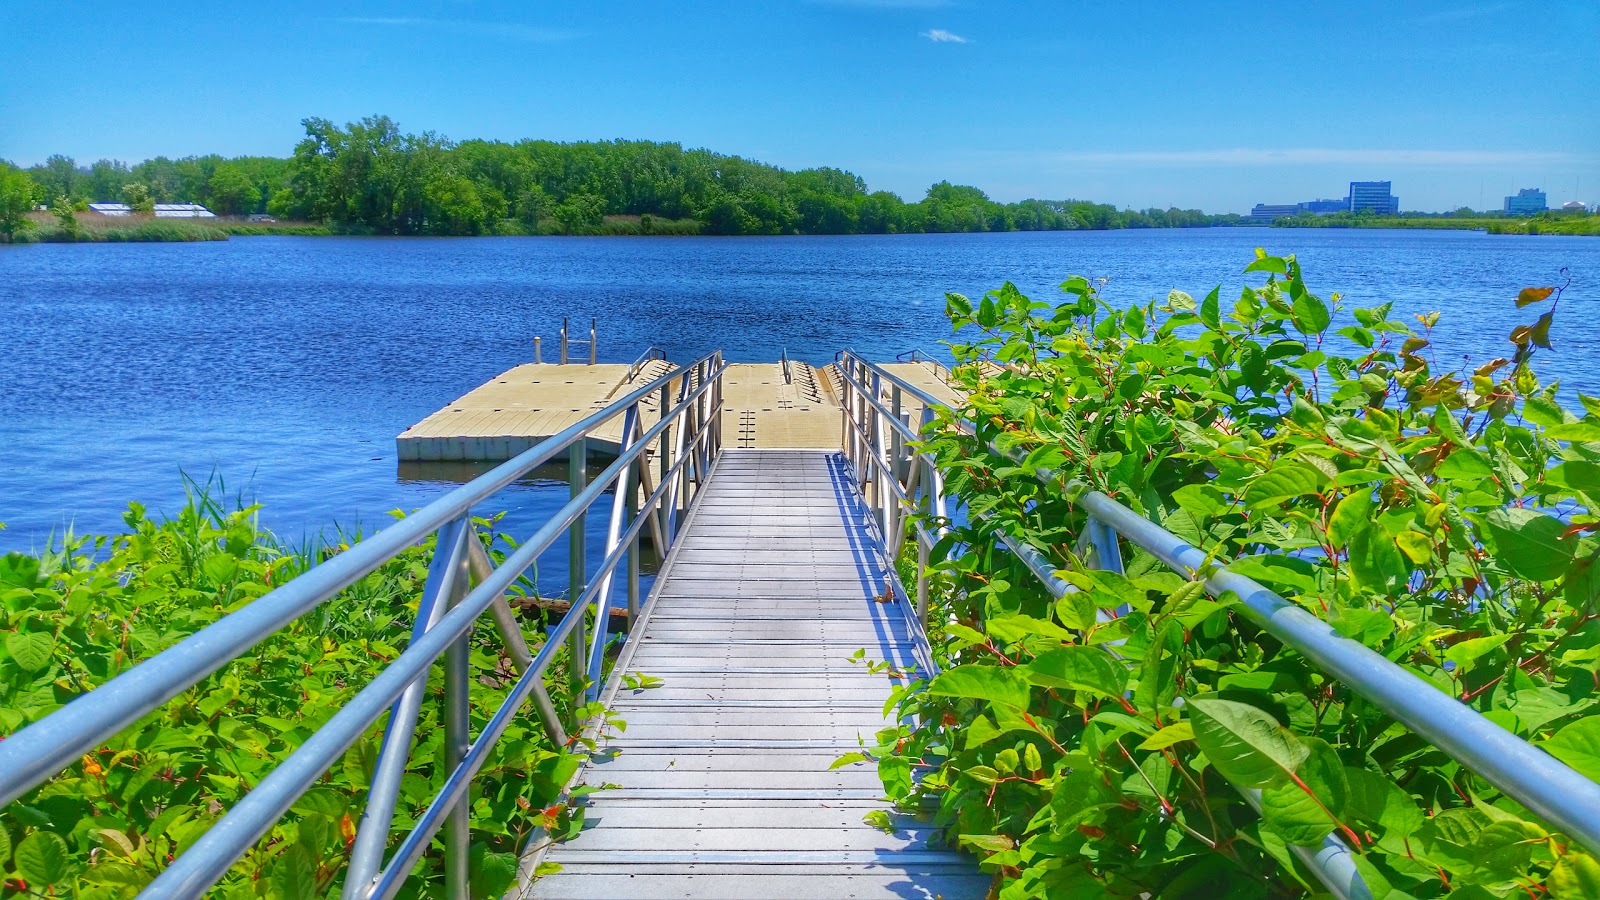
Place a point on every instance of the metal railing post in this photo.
(922, 581)
(383, 793)
(594, 349)
(538, 355)
(578, 478)
(632, 513)
(564, 332)
(457, 740)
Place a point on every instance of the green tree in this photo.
(58, 177)
(138, 198)
(105, 180)
(66, 217)
(230, 191)
(16, 201)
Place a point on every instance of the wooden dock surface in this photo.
(725, 789)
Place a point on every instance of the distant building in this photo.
(162, 210)
(1323, 207)
(1526, 202)
(1374, 195)
(1574, 206)
(1266, 212)
(183, 211)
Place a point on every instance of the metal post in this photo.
(366, 854)
(563, 340)
(538, 353)
(922, 581)
(593, 348)
(632, 487)
(664, 459)
(457, 740)
(577, 642)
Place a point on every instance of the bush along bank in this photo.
(83, 612)
(1443, 519)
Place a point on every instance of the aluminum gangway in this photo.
(723, 779)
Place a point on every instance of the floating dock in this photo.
(785, 405)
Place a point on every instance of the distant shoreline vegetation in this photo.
(1552, 222)
(369, 177)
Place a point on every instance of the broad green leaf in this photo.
(1179, 300)
(895, 773)
(1529, 543)
(1466, 652)
(879, 819)
(42, 858)
(116, 874)
(1311, 315)
(1284, 482)
(1247, 746)
(990, 683)
(1306, 812)
(1576, 876)
(1166, 737)
(492, 874)
(1275, 570)
(1079, 668)
(1465, 464)
(965, 634)
(1577, 475)
(1211, 311)
(1578, 745)
(1349, 516)
(1032, 759)
(1202, 500)
(294, 873)
(30, 650)
(1376, 561)
(1158, 676)
(1378, 801)
(1264, 263)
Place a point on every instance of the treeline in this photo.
(369, 176)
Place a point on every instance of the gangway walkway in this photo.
(724, 787)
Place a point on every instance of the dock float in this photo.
(782, 405)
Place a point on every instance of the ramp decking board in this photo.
(724, 782)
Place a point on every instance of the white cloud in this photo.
(940, 36)
(506, 30)
(1310, 156)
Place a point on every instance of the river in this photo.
(284, 367)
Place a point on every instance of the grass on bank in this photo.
(1554, 224)
(89, 228)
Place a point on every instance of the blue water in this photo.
(286, 366)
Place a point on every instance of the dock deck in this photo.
(521, 407)
(725, 786)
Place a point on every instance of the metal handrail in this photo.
(1532, 777)
(650, 353)
(783, 360)
(1331, 862)
(446, 615)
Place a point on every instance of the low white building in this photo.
(162, 210)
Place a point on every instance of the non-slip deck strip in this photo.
(725, 789)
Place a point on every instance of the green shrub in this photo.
(81, 613)
(1411, 507)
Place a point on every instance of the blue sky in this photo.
(1216, 105)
